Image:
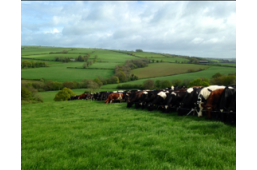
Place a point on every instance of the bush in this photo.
(148, 84)
(25, 93)
(199, 82)
(68, 84)
(64, 94)
(165, 84)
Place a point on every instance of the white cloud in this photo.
(190, 28)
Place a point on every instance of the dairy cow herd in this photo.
(213, 102)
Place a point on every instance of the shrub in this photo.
(68, 84)
(148, 84)
(25, 93)
(198, 82)
(64, 94)
(165, 84)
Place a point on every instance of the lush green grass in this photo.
(164, 69)
(40, 50)
(148, 54)
(208, 73)
(60, 72)
(92, 135)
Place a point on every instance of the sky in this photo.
(196, 28)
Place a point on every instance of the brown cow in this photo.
(212, 101)
(82, 96)
(114, 96)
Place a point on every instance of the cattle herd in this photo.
(213, 102)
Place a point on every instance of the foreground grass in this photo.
(92, 135)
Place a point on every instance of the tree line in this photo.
(217, 79)
(33, 64)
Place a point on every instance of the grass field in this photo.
(208, 73)
(92, 135)
(60, 72)
(164, 69)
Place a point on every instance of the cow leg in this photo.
(111, 101)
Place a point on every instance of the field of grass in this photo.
(40, 50)
(60, 72)
(164, 69)
(148, 54)
(92, 135)
(208, 73)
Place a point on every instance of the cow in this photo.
(151, 95)
(226, 98)
(133, 97)
(114, 96)
(74, 97)
(189, 101)
(203, 96)
(212, 101)
(174, 99)
(159, 99)
(83, 96)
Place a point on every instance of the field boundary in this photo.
(90, 68)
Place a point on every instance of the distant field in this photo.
(147, 54)
(40, 50)
(208, 73)
(59, 72)
(164, 69)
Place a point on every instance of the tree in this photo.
(139, 50)
(121, 75)
(64, 94)
(165, 84)
(153, 60)
(148, 84)
(68, 84)
(198, 82)
(92, 86)
(84, 65)
(158, 83)
(176, 82)
(98, 81)
(216, 75)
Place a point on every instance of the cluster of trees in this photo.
(220, 79)
(29, 94)
(62, 59)
(83, 58)
(123, 71)
(33, 64)
(139, 50)
(62, 52)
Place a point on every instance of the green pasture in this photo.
(99, 65)
(86, 134)
(164, 69)
(60, 72)
(40, 50)
(171, 59)
(114, 57)
(148, 54)
(208, 73)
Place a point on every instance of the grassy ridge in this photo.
(208, 73)
(92, 135)
(164, 69)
